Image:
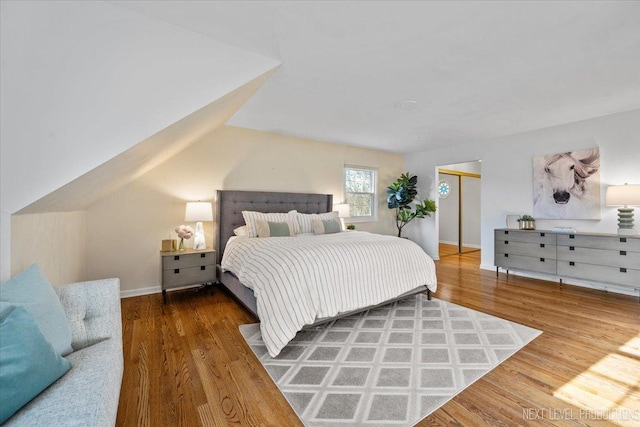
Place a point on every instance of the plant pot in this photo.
(527, 225)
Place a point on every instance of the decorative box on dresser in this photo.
(609, 259)
(188, 267)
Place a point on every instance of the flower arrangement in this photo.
(184, 232)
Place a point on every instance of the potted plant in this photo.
(526, 222)
(401, 194)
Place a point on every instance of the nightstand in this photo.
(188, 267)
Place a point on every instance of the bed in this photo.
(310, 308)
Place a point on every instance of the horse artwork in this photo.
(567, 185)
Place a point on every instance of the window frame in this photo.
(374, 204)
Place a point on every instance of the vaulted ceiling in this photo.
(410, 76)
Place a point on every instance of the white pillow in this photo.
(251, 218)
(305, 221)
(241, 231)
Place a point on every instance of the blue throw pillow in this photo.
(28, 362)
(31, 290)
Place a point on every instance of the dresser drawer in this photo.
(540, 250)
(188, 260)
(599, 257)
(526, 263)
(599, 273)
(620, 243)
(188, 276)
(525, 236)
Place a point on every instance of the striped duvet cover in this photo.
(297, 280)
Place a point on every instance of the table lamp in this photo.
(198, 212)
(624, 195)
(343, 212)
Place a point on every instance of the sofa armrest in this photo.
(93, 311)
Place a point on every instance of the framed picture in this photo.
(567, 185)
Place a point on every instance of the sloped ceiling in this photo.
(476, 70)
(139, 159)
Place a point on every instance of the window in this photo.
(360, 193)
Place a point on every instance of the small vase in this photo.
(181, 246)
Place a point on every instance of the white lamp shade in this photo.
(343, 210)
(623, 195)
(198, 211)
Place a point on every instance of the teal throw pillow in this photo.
(31, 290)
(275, 229)
(28, 362)
(326, 226)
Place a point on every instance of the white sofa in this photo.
(88, 394)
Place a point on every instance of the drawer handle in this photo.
(506, 232)
(542, 245)
(572, 263)
(623, 252)
(541, 234)
(541, 259)
(572, 248)
(202, 267)
(176, 270)
(572, 236)
(506, 242)
(623, 240)
(176, 257)
(506, 255)
(202, 255)
(623, 270)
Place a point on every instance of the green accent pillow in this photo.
(275, 229)
(326, 226)
(28, 362)
(31, 290)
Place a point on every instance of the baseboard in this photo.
(151, 290)
(140, 291)
(565, 281)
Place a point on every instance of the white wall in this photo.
(55, 241)
(81, 82)
(125, 229)
(507, 181)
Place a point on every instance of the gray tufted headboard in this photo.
(230, 204)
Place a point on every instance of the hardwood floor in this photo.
(186, 363)
(445, 249)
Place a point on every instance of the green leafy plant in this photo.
(400, 196)
(526, 218)
(351, 226)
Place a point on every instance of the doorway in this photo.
(459, 208)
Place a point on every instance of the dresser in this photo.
(528, 250)
(603, 258)
(188, 267)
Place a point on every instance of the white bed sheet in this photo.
(297, 280)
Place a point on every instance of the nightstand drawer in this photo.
(188, 260)
(189, 276)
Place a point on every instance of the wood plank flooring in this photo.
(187, 365)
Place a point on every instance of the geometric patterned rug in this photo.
(389, 366)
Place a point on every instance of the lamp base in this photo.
(198, 238)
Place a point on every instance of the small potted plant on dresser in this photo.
(526, 222)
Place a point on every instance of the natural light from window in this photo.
(360, 193)
(618, 376)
